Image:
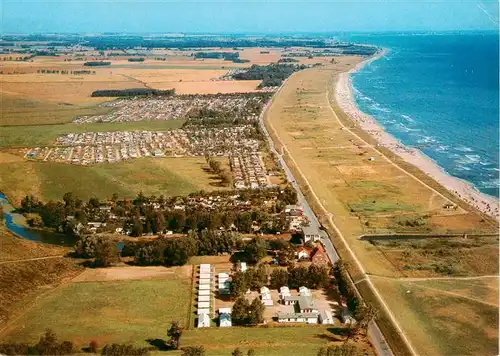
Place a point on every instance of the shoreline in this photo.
(462, 189)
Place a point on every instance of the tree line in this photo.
(132, 92)
(270, 75)
(96, 64)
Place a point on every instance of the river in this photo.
(16, 223)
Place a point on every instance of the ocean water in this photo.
(438, 93)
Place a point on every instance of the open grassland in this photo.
(346, 179)
(45, 135)
(447, 256)
(20, 110)
(159, 176)
(22, 281)
(268, 341)
(112, 311)
(441, 319)
(364, 196)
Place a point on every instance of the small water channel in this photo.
(16, 223)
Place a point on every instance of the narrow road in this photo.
(378, 340)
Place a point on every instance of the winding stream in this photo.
(16, 223)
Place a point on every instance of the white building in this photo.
(325, 317)
(203, 292)
(203, 320)
(204, 298)
(204, 305)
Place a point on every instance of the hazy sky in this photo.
(21, 16)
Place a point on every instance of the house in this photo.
(310, 233)
(309, 318)
(205, 281)
(205, 276)
(203, 292)
(203, 298)
(303, 253)
(346, 318)
(305, 303)
(326, 317)
(203, 311)
(243, 266)
(293, 210)
(266, 296)
(225, 317)
(319, 256)
(205, 287)
(203, 305)
(304, 291)
(203, 320)
(284, 292)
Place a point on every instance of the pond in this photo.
(16, 223)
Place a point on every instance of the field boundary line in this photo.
(351, 252)
(32, 259)
(37, 299)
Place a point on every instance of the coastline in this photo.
(460, 188)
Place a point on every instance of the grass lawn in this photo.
(272, 341)
(439, 323)
(117, 311)
(44, 135)
(48, 180)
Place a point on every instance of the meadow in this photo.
(130, 311)
(45, 135)
(440, 319)
(159, 176)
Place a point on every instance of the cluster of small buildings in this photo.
(204, 295)
(170, 108)
(304, 308)
(248, 171)
(100, 147)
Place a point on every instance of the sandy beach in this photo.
(460, 188)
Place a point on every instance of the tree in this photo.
(94, 202)
(69, 200)
(364, 315)
(286, 256)
(298, 276)
(340, 350)
(251, 352)
(53, 213)
(239, 313)
(175, 333)
(256, 249)
(237, 352)
(318, 276)
(256, 312)
(106, 253)
(279, 278)
(93, 347)
(193, 351)
(239, 284)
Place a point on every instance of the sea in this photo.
(438, 93)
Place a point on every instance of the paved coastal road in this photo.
(374, 332)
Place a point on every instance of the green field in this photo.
(271, 341)
(21, 111)
(440, 323)
(113, 311)
(44, 135)
(159, 176)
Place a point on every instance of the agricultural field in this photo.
(22, 281)
(447, 256)
(139, 309)
(446, 317)
(159, 176)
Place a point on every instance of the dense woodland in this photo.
(272, 75)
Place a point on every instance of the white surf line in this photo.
(344, 241)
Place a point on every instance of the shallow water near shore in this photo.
(439, 94)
